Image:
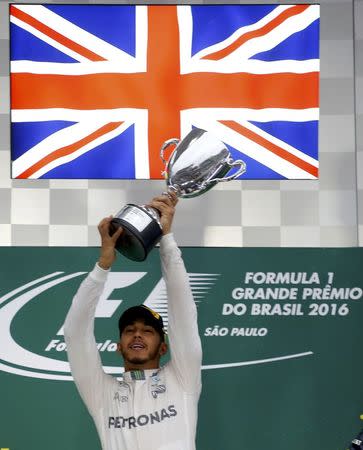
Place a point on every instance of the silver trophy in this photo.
(198, 162)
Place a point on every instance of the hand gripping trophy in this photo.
(198, 162)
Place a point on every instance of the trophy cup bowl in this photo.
(198, 162)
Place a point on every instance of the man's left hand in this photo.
(165, 204)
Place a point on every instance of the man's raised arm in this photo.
(82, 349)
(183, 336)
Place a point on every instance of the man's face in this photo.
(141, 346)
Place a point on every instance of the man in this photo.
(151, 407)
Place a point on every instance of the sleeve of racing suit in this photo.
(183, 336)
(83, 355)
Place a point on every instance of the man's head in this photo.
(142, 338)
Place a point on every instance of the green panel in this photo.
(295, 383)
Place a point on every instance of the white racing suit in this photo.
(146, 410)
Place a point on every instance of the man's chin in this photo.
(137, 360)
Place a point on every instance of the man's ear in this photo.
(163, 348)
(119, 346)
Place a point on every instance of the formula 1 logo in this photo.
(42, 352)
(16, 359)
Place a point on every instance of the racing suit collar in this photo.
(133, 375)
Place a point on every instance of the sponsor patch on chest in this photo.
(143, 419)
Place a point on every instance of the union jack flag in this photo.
(97, 89)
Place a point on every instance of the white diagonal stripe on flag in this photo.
(75, 33)
(255, 150)
(62, 138)
(238, 61)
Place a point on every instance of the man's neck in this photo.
(129, 367)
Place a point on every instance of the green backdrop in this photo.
(282, 341)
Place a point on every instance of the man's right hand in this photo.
(107, 253)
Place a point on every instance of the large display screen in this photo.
(97, 89)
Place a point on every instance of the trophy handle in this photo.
(240, 171)
(173, 141)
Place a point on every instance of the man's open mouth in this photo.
(137, 346)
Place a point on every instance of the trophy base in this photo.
(141, 232)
